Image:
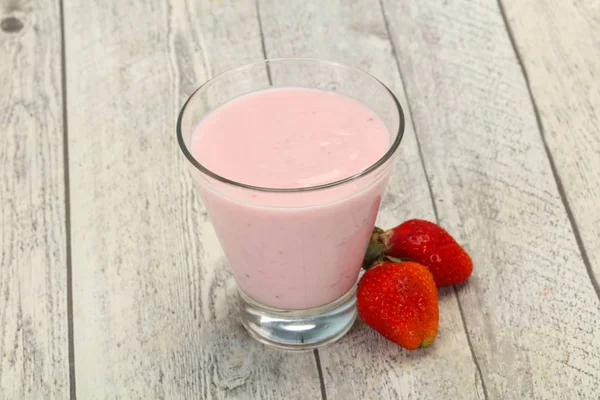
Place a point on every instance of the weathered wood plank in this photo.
(153, 305)
(33, 257)
(559, 47)
(363, 364)
(530, 308)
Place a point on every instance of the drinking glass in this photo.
(295, 253)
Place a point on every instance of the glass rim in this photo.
(382, 160)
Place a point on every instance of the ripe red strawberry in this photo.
(426, 243)
(400, 301)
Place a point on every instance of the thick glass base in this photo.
(298, 329)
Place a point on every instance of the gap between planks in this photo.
(69, 266)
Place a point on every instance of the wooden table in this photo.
(112, 282)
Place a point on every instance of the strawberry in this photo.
(400, 301)
(426, 243)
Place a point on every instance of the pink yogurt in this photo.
(293, 250)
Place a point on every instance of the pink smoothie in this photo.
(302, 249)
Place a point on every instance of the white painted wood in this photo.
(561, 54)
(530, 308)
(33, 307)
(364, 365)
(153, 306)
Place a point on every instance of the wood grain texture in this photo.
(33, 307)
(363, 365)
(530, 307)
(559, 47)
(153, 299)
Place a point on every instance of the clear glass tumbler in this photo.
(295, 256)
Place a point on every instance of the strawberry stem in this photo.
(375, 250)
(378, 246)
(396, 259)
